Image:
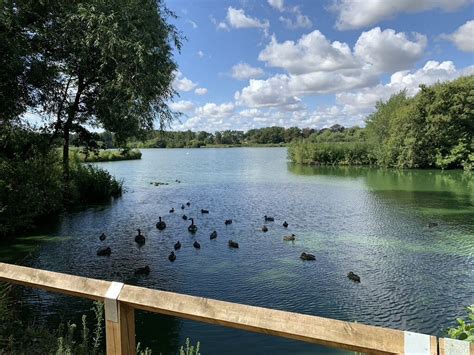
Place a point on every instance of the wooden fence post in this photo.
(119, 323)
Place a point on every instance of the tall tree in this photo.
(110, 63)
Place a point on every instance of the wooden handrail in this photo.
(121, 301)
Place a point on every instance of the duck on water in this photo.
(192, 227)
(140, 238)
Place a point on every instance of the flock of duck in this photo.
(192, 228)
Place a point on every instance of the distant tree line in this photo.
(433, 129)
(189, 139)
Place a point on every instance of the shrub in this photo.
(90, 184)
(465, 328)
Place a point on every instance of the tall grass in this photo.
(336, 153)
(110, 155)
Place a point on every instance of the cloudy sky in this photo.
(249, 64)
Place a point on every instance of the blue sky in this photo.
(250, 64)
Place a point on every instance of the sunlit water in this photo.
(372, 222)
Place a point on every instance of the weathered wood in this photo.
(120, 322)
(455, 347)
(120, 335)
(54, 281)
(127, 328)
(324, 331)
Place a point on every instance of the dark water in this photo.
(369, 221)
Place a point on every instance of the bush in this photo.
(30, 180)
(465, 328)
(110, 155)
(90, 184)
(338, 153)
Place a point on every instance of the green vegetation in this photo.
(434, 129)
(31, 182)
(108, 155)
(465, 328)
(268, 136)
(74, 63)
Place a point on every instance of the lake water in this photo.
(369, 221)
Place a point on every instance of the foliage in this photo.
(110, 155)
(433, 129)
(339, 153)
(31, 184)
(30, 179)
(103, 63)
(90, 184)
(465, 328)
(269, 136)
(190, 349)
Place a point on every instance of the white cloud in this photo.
(266, 93)
(312, 52)
(300, 21)
(182, 106)
(181, 83)
(363, 101)
(244, 71)
(389, 51)
(237, 18)
(277, 4)
(215, 110)
(192, 23)
(463, 37)
(200, 91)
(219, 25)
(353, 14)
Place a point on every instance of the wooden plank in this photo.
(455, 347)
(120, 336)
(127, 317)
(312, 329)
(54, 281)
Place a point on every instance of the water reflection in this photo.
(369, 221)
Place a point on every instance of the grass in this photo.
(109, 155)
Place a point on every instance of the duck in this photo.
(196, 245)
(289, 238)
(172, 210)
(227, 222)
(182, 207)
(307, 256)
(160, 224)
(269, 219)
(353, 277)
(139, 238)
(172, 256)
(213, 235)
(177, 245)
(192, 228)
(104, 251)
(102, 237)
(184, 217)
(264, 228)
(203, 211)
(188, 203)
(432, 224)
(142, 270)
(233, 244)
(285, 224)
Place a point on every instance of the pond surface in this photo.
(369, 221)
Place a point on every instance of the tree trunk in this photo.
(66, 174)
(71, 115)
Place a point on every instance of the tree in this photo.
(110, 65)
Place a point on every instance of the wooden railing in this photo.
(121, 301)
